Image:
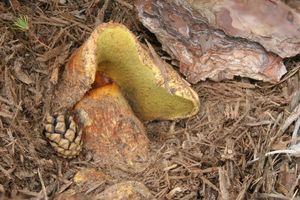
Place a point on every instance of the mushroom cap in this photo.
(153, 89)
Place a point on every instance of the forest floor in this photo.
(220, 150)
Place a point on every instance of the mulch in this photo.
(220, 153)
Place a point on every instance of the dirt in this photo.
(220, 153)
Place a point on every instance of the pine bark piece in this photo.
(110, 129)
(273, 24)
(202, 50)
(153, 89)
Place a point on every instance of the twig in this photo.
(293, 149)
(279, 132)
(289, 151)
(273, 195)
(292, 73)
(294, 115)
(245, 186)
(31, 33)
(295, 193)
(123, 3)
(101, 13)
(5, 172)
(97, 185)
(234, 126)
(29, 193)
(173, 192)
(161, 193)
(295, 132)
(43, 185)
(223, 182)
(261, 123)
(207, 182)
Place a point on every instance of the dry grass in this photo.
(218, 153)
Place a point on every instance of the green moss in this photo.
(118, 58)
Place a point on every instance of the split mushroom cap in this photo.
(152, 88)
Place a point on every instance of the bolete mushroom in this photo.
(153, 89)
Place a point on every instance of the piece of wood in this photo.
(272, 24)
(203, 50)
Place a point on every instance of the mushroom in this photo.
(153, 89)
(111, 82)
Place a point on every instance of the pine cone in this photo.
(63, 135)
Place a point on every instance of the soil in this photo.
(220, 153)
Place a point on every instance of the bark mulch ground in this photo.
(218, 153)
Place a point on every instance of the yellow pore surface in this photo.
(121, 57)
